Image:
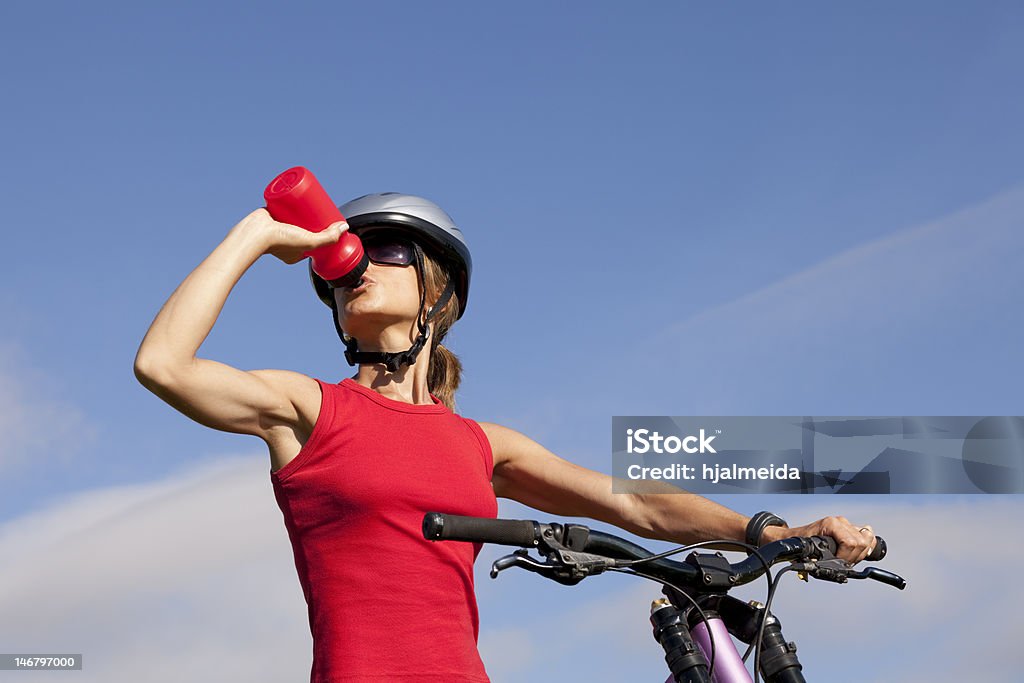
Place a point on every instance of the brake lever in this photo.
(521, 559)
(838, 571)
(570, 569)
(880, 575)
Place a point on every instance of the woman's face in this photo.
(389, 296)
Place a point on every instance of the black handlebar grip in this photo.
(876, 554)
(438, 526)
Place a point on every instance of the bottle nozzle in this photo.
(351, 279)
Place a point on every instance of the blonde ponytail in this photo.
(445, 370)
(445, 374)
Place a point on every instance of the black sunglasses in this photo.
(389, 250)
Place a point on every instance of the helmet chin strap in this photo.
(393, 360)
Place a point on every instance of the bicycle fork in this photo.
(687, 641)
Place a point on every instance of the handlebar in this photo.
(574, 551)
(441, 527)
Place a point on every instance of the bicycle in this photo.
(696, 621)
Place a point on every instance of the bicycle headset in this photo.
(428, 226)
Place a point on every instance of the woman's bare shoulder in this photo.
(302, 391)
(505, 443)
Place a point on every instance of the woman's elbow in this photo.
(153, 370)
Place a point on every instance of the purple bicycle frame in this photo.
(729, 667)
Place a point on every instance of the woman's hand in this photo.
(287, 242)
(855, 540)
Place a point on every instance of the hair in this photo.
(445, 370)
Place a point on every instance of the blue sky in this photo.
(673, 209)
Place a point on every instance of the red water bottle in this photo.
(296, 197)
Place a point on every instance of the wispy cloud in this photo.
(898, 273)
(186, 578)
(35, 422)
(936, 304)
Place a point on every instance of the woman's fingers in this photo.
(294, 236)
(292, 243)
(855, 542)
(332, 233)
(288, 242)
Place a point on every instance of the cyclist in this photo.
(356, 464)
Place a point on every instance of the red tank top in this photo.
(384, 603)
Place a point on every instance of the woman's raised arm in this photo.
(212, 393)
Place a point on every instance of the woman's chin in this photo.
(369, 321)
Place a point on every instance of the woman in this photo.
(356, 464)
